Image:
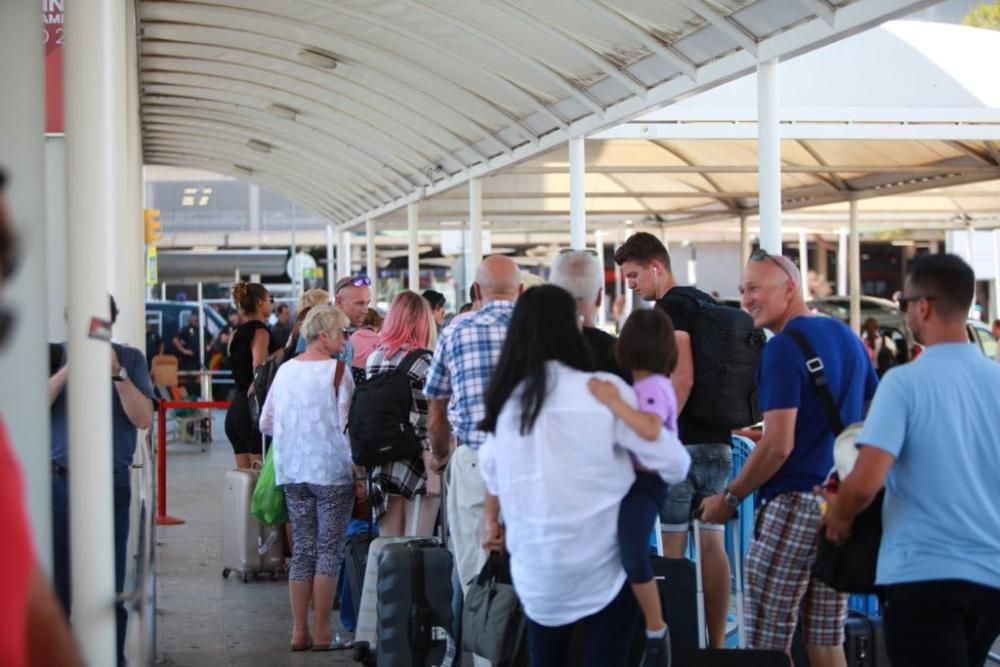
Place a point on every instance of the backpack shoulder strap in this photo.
(407, 363)
(338, 375)
(816, 371)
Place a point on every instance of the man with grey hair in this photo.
(463, 362)
(792, 458)
(579, 273)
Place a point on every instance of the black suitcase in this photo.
(355, 562)
(676, 579)
(864, 641)
(416, 617)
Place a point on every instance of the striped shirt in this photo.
(462, 365)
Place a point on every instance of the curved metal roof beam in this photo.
(727, 25)
(622, 76)
(223, 112)
(227, 127)
(731, 204)
(165, 11)
(331, 125)
(433, 148)
(311, 75)
(834, 181)
(582, 96)
(472, 109)
(179, 158)
(686, 67)
(372, 133)
(204, 138)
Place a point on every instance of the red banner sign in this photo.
(53, 35)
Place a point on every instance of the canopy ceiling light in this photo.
(259, 146)
(318, 58)
(281, 111)
(242, 170)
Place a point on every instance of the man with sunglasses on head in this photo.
(792, 458)
(930, 439)
(352, 295)
(646, 265)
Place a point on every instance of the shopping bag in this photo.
(268, 503)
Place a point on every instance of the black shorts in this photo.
(242, 433)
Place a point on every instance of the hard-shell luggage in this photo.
(676, 580)
(248, 546)
(864, 641)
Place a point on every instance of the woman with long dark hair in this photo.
(558, 462)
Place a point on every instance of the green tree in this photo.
(985, 15)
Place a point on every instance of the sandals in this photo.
(302, 647)
(337, 644)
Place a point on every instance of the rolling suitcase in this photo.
(248, 546)
(864, 641)
(676, 579)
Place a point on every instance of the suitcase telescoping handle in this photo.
(700, 587)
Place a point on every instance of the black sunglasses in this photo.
(904, 301)
(760, 255)
(361, 281)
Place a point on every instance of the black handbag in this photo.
(493, 621)
(849, 567)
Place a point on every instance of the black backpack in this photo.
(379, 420)
(725, 348)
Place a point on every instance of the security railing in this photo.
(139, 592)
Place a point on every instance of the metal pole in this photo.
(23, 396)
(744, 241)
(163, 291)
(331, 277)
(602, 316)
(996, 274)
(855, 270)
(206, 382)
(413, 263)
(769, 156)
(842, 263)
(970, 237)
(92, 82)
(618, 270)
(296, 265)
(577, 194)
(344, 255)
(475, 253)
(629, 294)
(371, 268)
(804, 263)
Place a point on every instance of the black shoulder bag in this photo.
(848, 567)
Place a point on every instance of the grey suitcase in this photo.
(248, 546)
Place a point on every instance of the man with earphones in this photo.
(646, 265)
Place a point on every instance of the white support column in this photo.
(629, 294)
(970, 238)
(413, 263)
(371, 268)
(344, 255)
(93, 81)
(769, 156)
(475, 226)
(602, 316)
(804, 263)
(205, 381)
(996, 274)
(135, 305)
(24, 359)
(855, 268)
(331, 276)
(577, 194)
(744, 241)
(842, 263)
(253, 208)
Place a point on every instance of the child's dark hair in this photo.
(647, 343)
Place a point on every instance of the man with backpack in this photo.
(646, 264)
(791, 459)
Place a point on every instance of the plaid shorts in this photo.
(779, 585)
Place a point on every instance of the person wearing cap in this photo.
(352, 295)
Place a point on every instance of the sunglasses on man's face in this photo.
(760, 255)
(904, 301)
(361, 281)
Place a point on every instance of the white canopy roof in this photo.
(357, 107)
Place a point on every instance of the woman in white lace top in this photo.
(305, 411)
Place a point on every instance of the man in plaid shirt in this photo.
(456, 388)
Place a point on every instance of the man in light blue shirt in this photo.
(931, 439)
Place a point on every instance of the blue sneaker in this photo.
(657, 652)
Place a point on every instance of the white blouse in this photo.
(560, 488)
(307, 420)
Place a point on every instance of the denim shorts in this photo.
(711, 467)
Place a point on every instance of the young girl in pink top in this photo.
(646, 347)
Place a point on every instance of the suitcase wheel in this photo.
(246, 577)
(225, 572)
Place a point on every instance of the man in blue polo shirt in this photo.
(793, 456)
(131, 409)
(931, 439)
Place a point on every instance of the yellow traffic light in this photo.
(151, 226)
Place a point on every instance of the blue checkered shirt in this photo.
(462, 365)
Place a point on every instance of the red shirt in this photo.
(17, 560)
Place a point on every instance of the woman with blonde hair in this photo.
(306, 411)
(408, 328)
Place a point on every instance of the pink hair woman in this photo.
(408, 327)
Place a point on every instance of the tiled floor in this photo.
(203, 619)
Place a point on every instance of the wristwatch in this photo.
(731, 499)
(121, 376)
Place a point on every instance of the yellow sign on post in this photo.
(151, 226)
(152, 272)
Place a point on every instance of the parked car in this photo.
(892, 323)
(982, 336)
